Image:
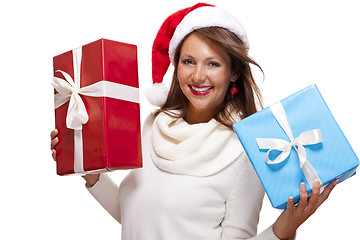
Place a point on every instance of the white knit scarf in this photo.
(193, 149)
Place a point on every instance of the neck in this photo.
(194, 117)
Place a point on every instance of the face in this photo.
(204, 74)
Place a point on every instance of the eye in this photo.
(214, 64)
(187, 62)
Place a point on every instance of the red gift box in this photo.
(100, 79)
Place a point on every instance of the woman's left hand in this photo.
(293, 216)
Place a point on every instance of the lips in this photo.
(200, 90)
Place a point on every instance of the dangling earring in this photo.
(234, 90)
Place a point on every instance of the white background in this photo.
(296, 42)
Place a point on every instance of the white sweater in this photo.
(158, 204)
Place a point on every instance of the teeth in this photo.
(200, 89)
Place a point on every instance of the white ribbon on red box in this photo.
(306, 138)
(70, 90)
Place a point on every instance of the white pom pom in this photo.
(157, 94)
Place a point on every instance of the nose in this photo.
(199, 74)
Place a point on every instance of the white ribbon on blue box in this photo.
(293, 141)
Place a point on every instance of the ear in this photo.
(234, 77)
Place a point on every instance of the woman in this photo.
(197, 182)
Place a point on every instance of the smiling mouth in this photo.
(200, 89)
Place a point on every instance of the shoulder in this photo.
(148, 122)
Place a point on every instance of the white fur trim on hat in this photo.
(206, 17)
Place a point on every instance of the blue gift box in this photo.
(328, 153)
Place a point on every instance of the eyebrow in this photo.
(206, 59)
(186, 56)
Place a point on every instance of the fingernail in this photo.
(302, 187)
(291, 199)
(316, 183)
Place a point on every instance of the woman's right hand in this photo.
(90, 179)
(54, 141)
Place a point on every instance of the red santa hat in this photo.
(173, 30)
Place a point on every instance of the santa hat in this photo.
(173, 30)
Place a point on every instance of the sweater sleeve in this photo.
(106, 192)
(243, 206)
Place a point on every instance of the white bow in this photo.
(306, 138)
(67, 89)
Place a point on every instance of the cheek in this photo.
(221, 81)
(181, 82)
(181, 73)
(182, 76)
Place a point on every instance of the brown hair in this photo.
(244, 102)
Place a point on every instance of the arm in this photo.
(244, 205)
(106, 192)
(91, 179)
(103, 189)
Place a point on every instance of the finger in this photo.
(53, 143)
(53, 133)
(303, 197)
(53, 154)
(325, 194)
(312, 205)
(290, 205)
